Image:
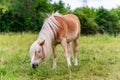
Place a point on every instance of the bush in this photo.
(86, 17)
(12, 22)
(107, 21)
(26, 15)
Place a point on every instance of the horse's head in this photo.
(37, 53)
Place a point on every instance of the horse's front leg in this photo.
(66, 53)
(54, 56)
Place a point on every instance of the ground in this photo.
(98, 55)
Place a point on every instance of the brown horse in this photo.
(56, 29)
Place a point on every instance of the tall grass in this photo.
(99, 58)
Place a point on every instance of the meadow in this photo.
(98, 55)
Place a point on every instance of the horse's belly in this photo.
(72, 36)
(70, 28)
(73, 28)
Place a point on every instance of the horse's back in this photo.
(73, 26)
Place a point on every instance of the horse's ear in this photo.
(42, 43)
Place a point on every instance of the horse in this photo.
(56, 29)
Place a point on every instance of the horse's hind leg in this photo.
(75, 49)
(66, 52)
(54, 56)
(68, 47)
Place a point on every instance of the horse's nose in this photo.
(34, 66)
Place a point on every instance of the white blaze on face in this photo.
(34, 47)
(32, 60)
(35, 61)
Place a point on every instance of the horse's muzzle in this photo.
(34, 66)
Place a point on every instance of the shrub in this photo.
(107, 21)
(86, 17)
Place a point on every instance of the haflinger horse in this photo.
(56, 29)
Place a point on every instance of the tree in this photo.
(116, 11)
(24, 15)
(86, 17)
(60, 6)
(107, 21)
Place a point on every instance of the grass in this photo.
(99, 59)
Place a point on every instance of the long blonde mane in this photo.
(47, 32)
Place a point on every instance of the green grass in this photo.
(99, 59)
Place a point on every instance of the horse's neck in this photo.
(47, 49)
(48, 43)
(49, 27)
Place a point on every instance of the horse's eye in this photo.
(38, 51)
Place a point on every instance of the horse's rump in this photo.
(69, 27)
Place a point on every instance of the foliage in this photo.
(86, 17)
(24, 15)
(116, 11)
(28, 15)
(60, 7)
(108, 21)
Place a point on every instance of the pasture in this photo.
(98, 55)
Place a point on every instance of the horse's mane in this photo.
(48, 30)
(50, 24)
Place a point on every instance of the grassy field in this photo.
(99, 59)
